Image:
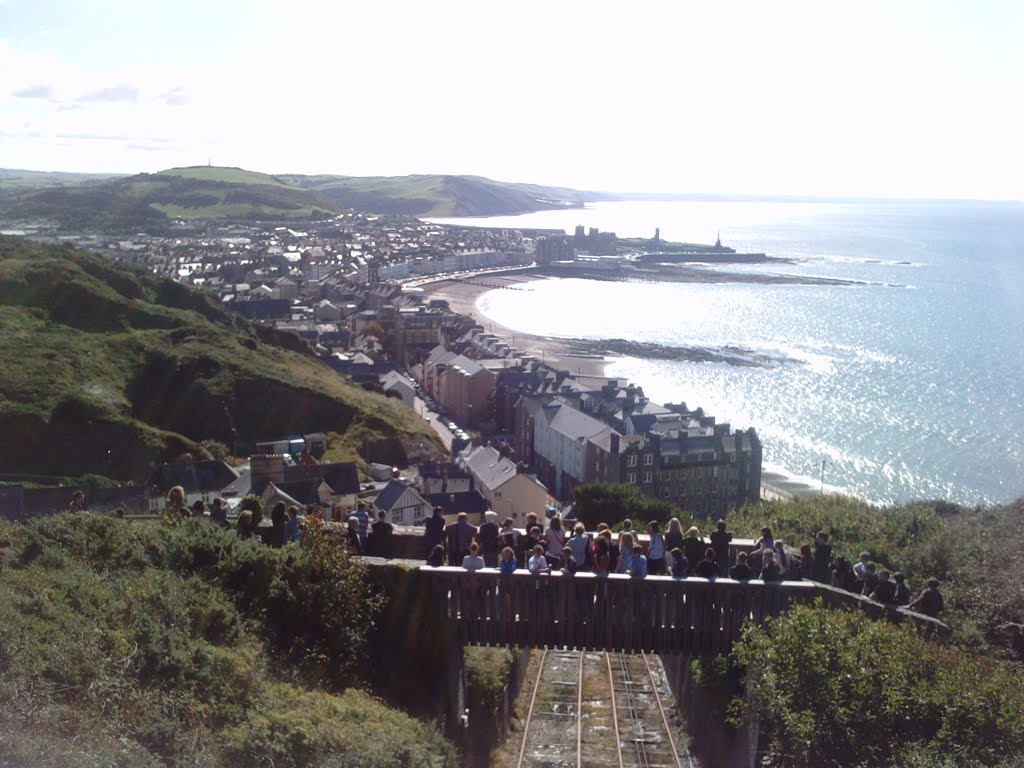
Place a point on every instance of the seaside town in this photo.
(367, 294)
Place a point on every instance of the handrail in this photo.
(617, 612)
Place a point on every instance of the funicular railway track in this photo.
(597, 710)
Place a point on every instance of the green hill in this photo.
(148, 202)
(107, 370)
(439, 195)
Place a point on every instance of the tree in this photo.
(596, 503)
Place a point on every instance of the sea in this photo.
(904, 385)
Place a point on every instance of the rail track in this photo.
(598, 710)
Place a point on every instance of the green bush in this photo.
(833, 688)
(144, 644)
(596, 503)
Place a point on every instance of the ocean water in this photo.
(906, 385)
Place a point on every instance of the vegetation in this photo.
(148, 202)
(834, 688)
(130, 644)
(109, 369)
(606, 503)
(487, 674)
(438, 195)
(973, 552)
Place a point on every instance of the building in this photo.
(403, 504)
(509, 490)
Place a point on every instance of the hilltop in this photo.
(151, 201)
(106, 370)
(434, 195)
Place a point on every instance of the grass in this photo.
(127, 644)
(972, 551)
(150, 366)
(223, 175)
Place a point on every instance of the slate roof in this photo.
(489, 467)
(470, 502)
(392, 492)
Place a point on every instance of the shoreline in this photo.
(462, 295)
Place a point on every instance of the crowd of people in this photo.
(544, 549)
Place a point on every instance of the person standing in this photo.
(381, 534)
(490, 545)
(708, 567)
(473, 561)
(720, 539)
(364, 522)
(929, 602)
(460, 535)
(637, 568)
(278, 517)
(78, 502)
(822, 558)
(433, 533)
(655, 549)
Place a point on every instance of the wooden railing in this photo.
(658, 614)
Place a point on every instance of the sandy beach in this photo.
(462, 294)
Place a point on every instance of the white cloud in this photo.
(801, 97)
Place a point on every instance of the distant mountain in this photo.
(107, 370)
(149, 202)
(440, 195)
(13, 180)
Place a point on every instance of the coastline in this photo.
(462, 295)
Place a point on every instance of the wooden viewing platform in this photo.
(657, 614)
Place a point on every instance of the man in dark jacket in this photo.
(707, 568)
(929, 602)
(460, 535)
(885, 590)
(381, 533)
(822, 558)
(434, 530)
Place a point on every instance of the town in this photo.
(522, 433)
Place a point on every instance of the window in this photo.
(648, 477)
(631, 461)
(631, 477)
(648, 459)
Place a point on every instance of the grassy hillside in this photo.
(15, 180)
(105, 370)
(962, 547)
(148, 202)
(438, 195)
(135, 644)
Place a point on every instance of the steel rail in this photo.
(615, 709)
(529, 713)
(579, 715)
(664, 717)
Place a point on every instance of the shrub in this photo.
(596, 503)
(834, 688)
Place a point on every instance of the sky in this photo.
(921, 99)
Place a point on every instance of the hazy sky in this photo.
(882, 98)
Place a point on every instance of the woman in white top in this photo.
(473, 561)
(538, 564)
(555, 538)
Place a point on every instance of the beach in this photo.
(462, 294)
